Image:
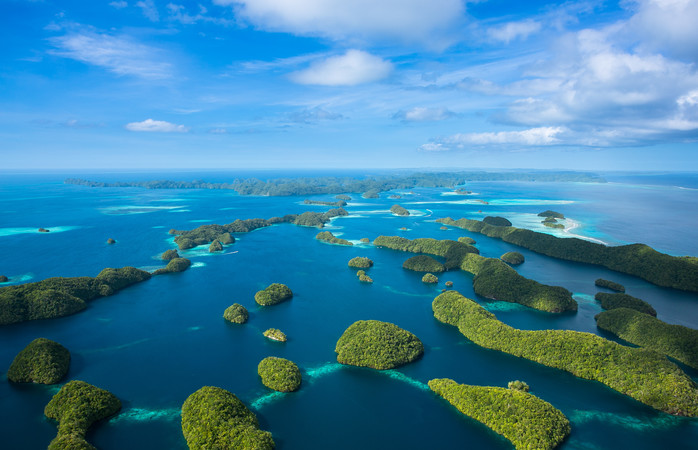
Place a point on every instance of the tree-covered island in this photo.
(618, 300)
(608, 284)
(399, 210)
(513, 258)
(275, 335)
(236, 313)
(279, 374)
(273, 294)
(360, 262)
(327, 236)
(42, 361)
(174, 265)
(378, 345)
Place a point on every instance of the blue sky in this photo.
(336, 83)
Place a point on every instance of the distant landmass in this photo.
(279, 187)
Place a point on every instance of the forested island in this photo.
(42, 361)
(618, 300)
(279, 374)
(378, 345)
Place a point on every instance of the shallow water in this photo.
(155, 343)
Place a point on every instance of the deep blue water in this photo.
(155, 343)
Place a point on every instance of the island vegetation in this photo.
(399, 210)
(215, 246)
(371, 193)
(111, 241)
(378, 345)
(213, 418)
(551, 214)
(612, 285)
(327, 236)
(618, 300)
(337, 204)
(430, 278)
(634, 259)
(452, 251)
(169, 254)
(497, 221)
(518, 385)
(275, 335)
(344, 197)
(42, 361)
(62, 296)
(466, 240)
(279, 374)
(524, 419)
(360, 262)
(236, 313)
(642, 374)
(273, 294)
(76, 407)
(423, 263)
(363, 277)
(4, 279)
(514, 258)
(174, 266)
(677, 341)
(449, 284)
(364, 240)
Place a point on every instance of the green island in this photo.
(467, 240)
(430, 278)
(279, 374)
(371, 193)
(273, 294)
(399, 210)
(449, 284)
(552, 223)
(42, 361)
(618, 300)
(496, 221)
(423, 263)
(205, 234)
(169, 254)
(344, 197)
(4, 279)
(111, 241)
(337, 185)
(360, 262)
(62, 296)
(275, 335)
(634, 259)
(363, 277)
(327, 236)
(215, 246)
(608, 284)
(378, 345)
(337, 204)
(236, 313)
(175, 265)
(524, 419)
(518, 386)
(452, 251)
(677, 341)
(365, 240)
(642, 374)
(76, 407)
(213, 418)
(551, 215)
(514, 258)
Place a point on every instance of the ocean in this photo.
(156, 342)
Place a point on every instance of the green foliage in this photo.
(638, 328)
(273, 294)
(337, 204)
(59, 296)
(360, 262)
(612, 285)
(363, 277)
(175, 265)
(524, 419)
(641, 374)
(213, 418)
(635, 259)
(327, 236)
(467, 240)
(365, 240)
(613, 301)
(226, 239)
(518, 386)
(111, 241)
(553, 225)
(399, 210)
(42, 361)
(275, 335)
(452, 251)
(551, 214)
(236, 313)
(378, 345)
(497, 221)
(423, 263)
(215, 246)
(346, 198)
(4, 279)
(279, 374)
(515, 258)
(430, 278)
(76, 407)
(372, 193)
(449, 284)
(167, 255)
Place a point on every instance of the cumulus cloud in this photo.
(352, 68)
(120, 55)
(311, 115)
(426, 22)
(542, 136)
(421, 114)
(513, 30)
(157, 126)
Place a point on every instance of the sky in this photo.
(231, 84)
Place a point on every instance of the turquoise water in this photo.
(155, 343)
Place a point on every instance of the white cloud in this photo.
(514, 30)
(120, 55)
(421, 114)
(149, 10)
(158, 126)
(426, 22)
(532, 136)
(118, 5)
(667, 26)
(311, 115)
(352, 68)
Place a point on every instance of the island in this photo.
(76, 407)
(279, 374)
(363, 277)
(452, 251)
(612, 285)
(337, 204)
(275, 335)
(371, 193)
(449, 284)
(327, 236)
(43, 230)
(4, 279)
(635, 259)
(364, 240)
(360, 262)
(169, 254)
(395, 196)
(273, 294)
(677, 341)
(175, 265)
(111, 241)
(551, 215)
(378, 345)
(466, 240)
(618, 300)
(215, 246)
(399, 210)
(497, 221)
(513, 258)
(423, 263)
(344, 197)
(642, 374)
(42, 361)
(524, 419)
(236, 313)
(61, 296)
(430, 278)
(551, 222)
(213, 418)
